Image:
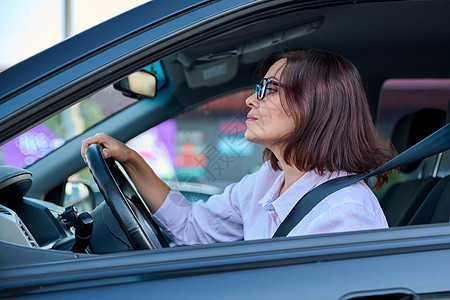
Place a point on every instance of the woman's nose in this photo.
(251, 101)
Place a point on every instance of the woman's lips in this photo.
(251, 118)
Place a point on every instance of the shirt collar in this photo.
(274, 190)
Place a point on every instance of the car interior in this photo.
(402, 199)
(392, 40)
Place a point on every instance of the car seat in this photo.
(436, 206)
(402, 200)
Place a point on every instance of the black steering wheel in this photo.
(124, 202)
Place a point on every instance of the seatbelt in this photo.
(435, 143)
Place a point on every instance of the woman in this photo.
(311, 113)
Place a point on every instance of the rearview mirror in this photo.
(139, 85)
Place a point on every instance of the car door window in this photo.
(48, 136)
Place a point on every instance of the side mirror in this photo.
(139, 85)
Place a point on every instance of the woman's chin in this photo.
(249, 137)
(254, 139)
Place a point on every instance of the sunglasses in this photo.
(261, 87)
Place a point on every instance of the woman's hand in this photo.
(110, 147)
(152, 189)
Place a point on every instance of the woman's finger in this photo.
(100, 139)
(110, 147)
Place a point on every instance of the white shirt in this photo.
(251, 209)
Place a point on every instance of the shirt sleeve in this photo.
(216, 220)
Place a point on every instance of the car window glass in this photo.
(48, 136)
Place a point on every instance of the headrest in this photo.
(414, 127)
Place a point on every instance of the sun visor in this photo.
(210, 70)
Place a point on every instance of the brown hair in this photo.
(333, 126)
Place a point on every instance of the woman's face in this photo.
(267, 122)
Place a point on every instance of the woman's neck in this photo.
(291, 175)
